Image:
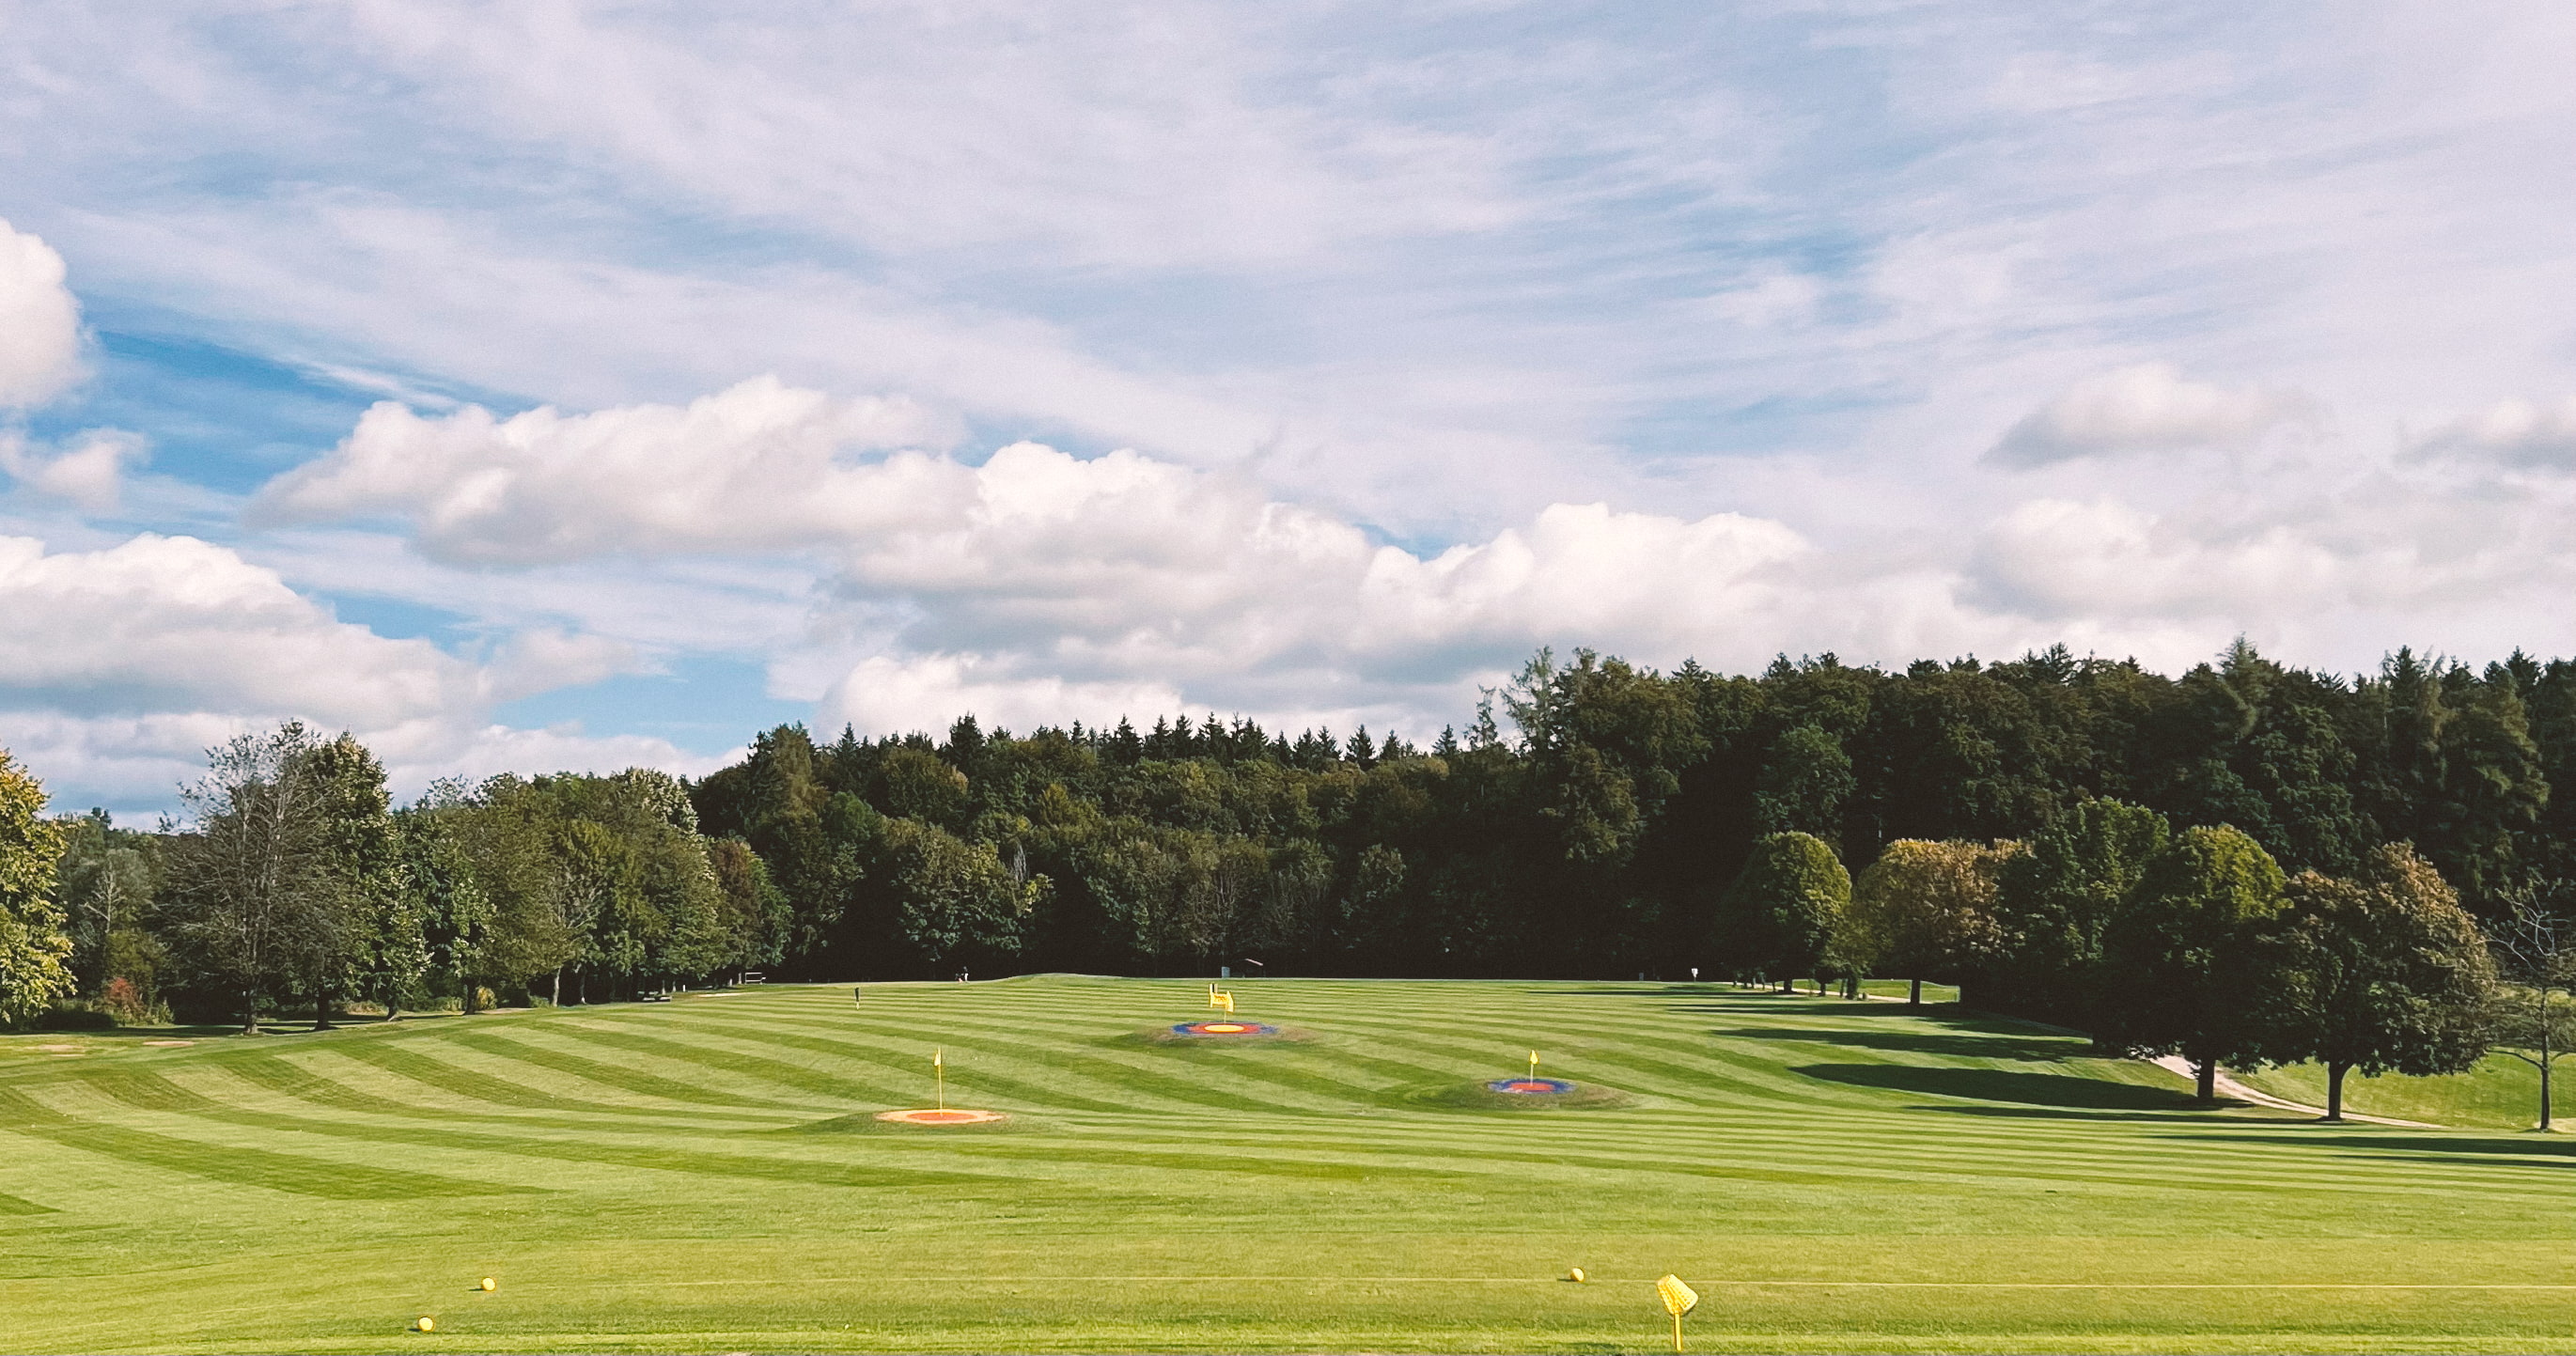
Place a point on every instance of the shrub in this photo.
(68, 1017)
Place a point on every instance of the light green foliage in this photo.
(704, 1175)
(1779, 918)
(1924, 910)
(35, 954)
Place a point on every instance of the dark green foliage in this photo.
(2384, 973)
(2054, 903)
(2171, 979)
(1779, 919)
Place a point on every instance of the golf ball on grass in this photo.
(490, 1284)
(426, 1324)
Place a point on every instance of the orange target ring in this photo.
(950, 1116)
(1225, 1029)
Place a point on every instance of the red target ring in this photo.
(1532, 1087)
(1225, 1029)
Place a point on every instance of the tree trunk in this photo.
(558, 998)
(2544, 1093)
(250, 1013)
(2334, 1090)
(322, 1011)
(2205, 1075)
(1915, 999)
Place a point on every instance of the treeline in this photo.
(1594, 819)
(295, 886)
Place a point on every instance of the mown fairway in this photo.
(1829, 1175)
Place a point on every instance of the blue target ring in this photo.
(1221, 1030)
(1532, 1087)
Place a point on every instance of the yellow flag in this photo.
(935, 1060)
(1679, 1299)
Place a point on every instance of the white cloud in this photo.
(886, 695)
(89, 473)
(753, 466)
(2063, 560)
(2149, 407)
(39, 321)
(125, 663)
(173, 623)
(2517, 433)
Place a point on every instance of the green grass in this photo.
(703, 1175)
(2501, 1093)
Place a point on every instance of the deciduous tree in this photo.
(35, 953)
(2170, 981)
(2384, 973)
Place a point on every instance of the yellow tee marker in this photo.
(1679, 1299)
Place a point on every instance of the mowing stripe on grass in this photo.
(237, 1164)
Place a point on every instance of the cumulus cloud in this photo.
(90, 472)
(125, 663)
(39, 321)
(174, 623)
(925, 692)
(1037, 565)
(754, 466)
(2517, 433)
(2149, 407)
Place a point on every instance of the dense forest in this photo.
(1993, 824)
(1591, 819)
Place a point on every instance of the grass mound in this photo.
(866, 1123)
(1476, 1096)
(1164, 1037)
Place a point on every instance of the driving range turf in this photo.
(708, 1174)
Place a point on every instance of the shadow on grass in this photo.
(2402, 1145)
(2004, 1085)
(1965, 1040)
(2197, 1115)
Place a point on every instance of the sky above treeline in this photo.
(543, 385)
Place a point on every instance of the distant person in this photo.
(855, 991)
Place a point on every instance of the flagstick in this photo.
(939, 1070)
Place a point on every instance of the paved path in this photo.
(2229, 1087)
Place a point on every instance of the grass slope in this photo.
(702, 1175)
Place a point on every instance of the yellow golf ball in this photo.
(1574, 1275)
(426, 1324)
(490, 1284)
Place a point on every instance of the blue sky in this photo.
(560, 385)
